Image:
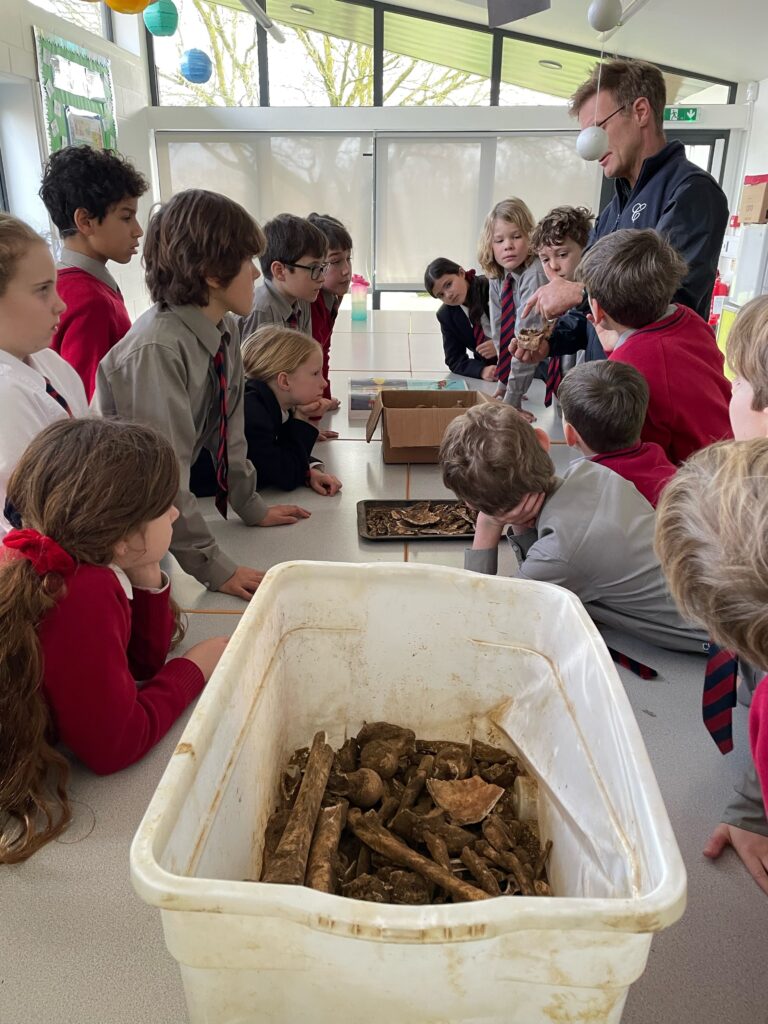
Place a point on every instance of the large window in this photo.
(342, 53)
(89, 16)
(327, 57)
(427, 63)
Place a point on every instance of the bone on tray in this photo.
(450, 518)
(390, 818)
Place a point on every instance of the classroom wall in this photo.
(757, 150)
(21, 125)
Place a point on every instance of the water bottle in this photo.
(359, 291)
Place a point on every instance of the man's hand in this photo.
(527, 356)
(555, 298)
(486, 349)
(324, 483)
(242, 583)
(284, 515)
(751, 847)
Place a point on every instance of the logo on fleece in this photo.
(637, 209)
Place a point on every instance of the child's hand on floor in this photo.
(242, 583)
(327, 435)
(324, 483)
(207, 653)
(284, 515)
(751, 847)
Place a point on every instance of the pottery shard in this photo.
(466, 801)
(420, 515)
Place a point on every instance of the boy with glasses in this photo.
(294, 267)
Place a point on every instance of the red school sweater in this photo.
(96, 644)
(689, 394)
(322, 329)
(94, 321)
(758, 734)
(645, 465)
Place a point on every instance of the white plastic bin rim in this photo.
(652, 911)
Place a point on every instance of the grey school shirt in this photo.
(162, 374)
(594, 536)
(270, 307)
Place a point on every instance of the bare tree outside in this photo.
(76, 12)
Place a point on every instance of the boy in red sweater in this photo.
(630, 278)
(604, 405)
(335, 286)
(92, 198)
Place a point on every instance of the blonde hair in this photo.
(747, 348)
(491, 458)
(16, 238)
(515, 212)
(711, 531)
(274, 349)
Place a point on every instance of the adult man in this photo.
(656, 186)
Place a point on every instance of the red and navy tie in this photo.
(719, 698)
(222, 462)
(334, 311)
(293, 318)
(51, 390)
(506, 329)
(554, 379)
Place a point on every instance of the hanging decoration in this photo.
(196, 66)
(127, 6)
(161, 18)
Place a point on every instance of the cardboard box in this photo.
(413, 422)
(753, 208)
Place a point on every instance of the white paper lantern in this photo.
(592, 143)
(603, 15)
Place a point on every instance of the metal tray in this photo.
(362, 521)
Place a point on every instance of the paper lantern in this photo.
(128, 6)
(161, 18)
(592, 143)
(196, 66)
(603, 15)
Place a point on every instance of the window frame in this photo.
(380, 9)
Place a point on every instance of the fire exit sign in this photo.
(687, 114)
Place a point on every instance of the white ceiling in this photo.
(723, 39)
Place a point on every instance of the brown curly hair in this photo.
(574, 222)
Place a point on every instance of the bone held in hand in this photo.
(289, 863)
(369, 831)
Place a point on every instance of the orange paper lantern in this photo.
(128, 6)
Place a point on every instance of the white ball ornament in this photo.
(603, 15)
(592, 143)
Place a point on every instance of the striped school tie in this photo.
(222, 461)
(506, 329)
(554, 379)
(644, 671)
(51, 390)
(293, 318)
(719, 697)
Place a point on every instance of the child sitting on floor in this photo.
(92, 197)
(463, 318)
(87, 613)
(37, 386)
(630, 278)
(604, 406)
(589, 531)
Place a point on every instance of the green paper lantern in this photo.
(161, 18)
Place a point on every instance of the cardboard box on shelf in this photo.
(753, 208)
(413, 422)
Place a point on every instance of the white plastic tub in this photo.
(448, 653)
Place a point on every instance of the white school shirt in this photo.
(25, 407)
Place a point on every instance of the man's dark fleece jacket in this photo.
(684, 204)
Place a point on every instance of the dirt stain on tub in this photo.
(185, 748)
(595, 1012)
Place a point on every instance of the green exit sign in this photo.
(686, 114)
